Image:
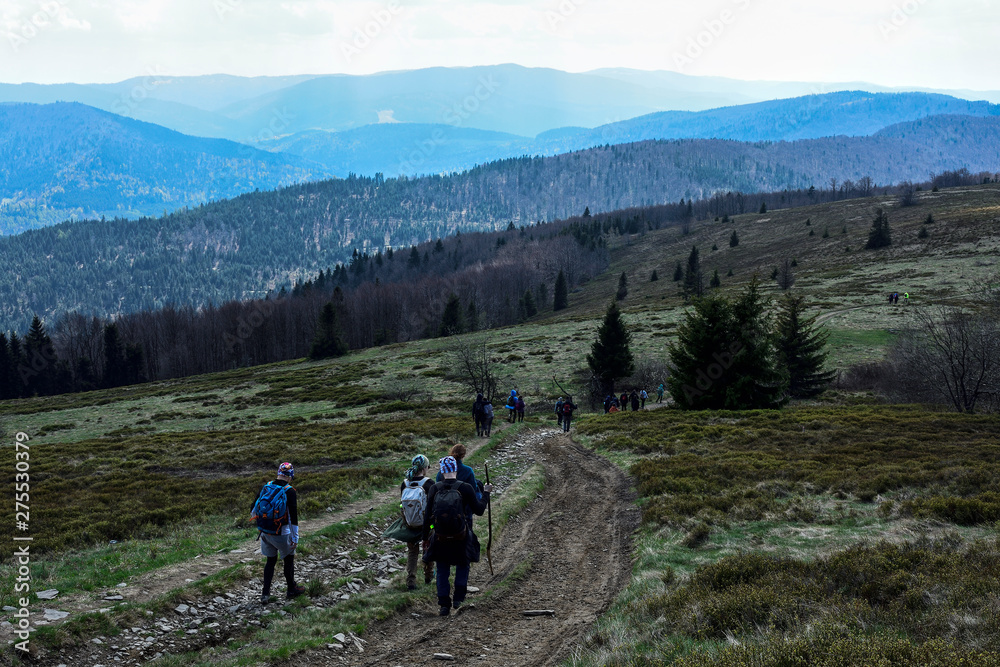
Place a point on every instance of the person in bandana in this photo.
(283, 544)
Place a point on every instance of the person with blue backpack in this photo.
(276, 513)
(448, 539)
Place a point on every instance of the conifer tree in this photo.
(7, 371)
(653, 277)
(40, 369)
(715, 281)
(472, 315)
(328, 341)
(800, 348)
(530, 309)
(724, 356)
(114, 358)
(678, 273)
(734, 240)
(560, 300)
(452, 321)
(879, 236)
(622, 287)
(610, 355)
(693, 281)
(763, 207)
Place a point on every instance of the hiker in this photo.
(519, 405)
(477, 414)
(635, 401)
(623, 402)
(559, 406)
(511, 406)
(614, 407)
(487, 417)
(413, 501)
(452, 542)
(659, 393)
(607, 407)
(642, 398)
(568, 409)
(464, 472)
(276, 512)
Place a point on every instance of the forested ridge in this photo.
(257, 242)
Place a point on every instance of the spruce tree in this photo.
(724, 356)
(693, 281)
(560, 300)
(414, 260)
(7, 370)
(715, 281)
(734, 240)
(452, 321)
(678, 273)
(40, 370)
(115, 371)
(530, 309)
(879, 236)
(472, 316)
(610, 355)
(763, 207)
(800, 348)
(653, 277)
(328, 341)
(622, 287)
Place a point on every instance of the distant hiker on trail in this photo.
(642, 398)
(568, 408)
(623, 402)
(614, 407)
(464, 472)
(413, 503)
(891, 296)
(487, 417)
(607, 407)
(276, 512)
(452, 542)
(559, 406)
(512, 406)
(519, 405)
(477, 413)
(635, 401)
(659, 393)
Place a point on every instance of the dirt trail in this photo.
(153, 584)
(577, 538)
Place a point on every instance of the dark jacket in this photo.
(452, 552)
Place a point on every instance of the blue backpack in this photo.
(271, 509)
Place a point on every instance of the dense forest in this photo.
(466, 282)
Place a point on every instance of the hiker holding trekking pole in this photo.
(448, 539)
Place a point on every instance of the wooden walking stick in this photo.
(489, 518)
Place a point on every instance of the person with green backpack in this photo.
(276, 513)
(448, 539)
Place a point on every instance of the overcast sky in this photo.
(933, 43)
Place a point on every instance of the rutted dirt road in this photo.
(577, 538)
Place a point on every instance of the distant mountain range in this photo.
(68, 160)
(252, 243)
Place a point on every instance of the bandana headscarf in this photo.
(286, 469)
(418, 464)
(449, 464)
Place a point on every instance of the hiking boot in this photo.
(295, 591)
(411, 586)
(457, 604)
(265, 598)
(444, 611)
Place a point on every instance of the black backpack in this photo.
(449, 513)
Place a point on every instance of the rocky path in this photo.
(575, 539)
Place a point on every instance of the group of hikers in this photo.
(636, 399)
(894, 297)
(436, 517)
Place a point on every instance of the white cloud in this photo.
(936, 43)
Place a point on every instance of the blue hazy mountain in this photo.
(67, 160)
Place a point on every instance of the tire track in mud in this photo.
(576, 539)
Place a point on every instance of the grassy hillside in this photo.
(753, 500)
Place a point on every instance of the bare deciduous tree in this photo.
(951, 356)
(476, 368)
